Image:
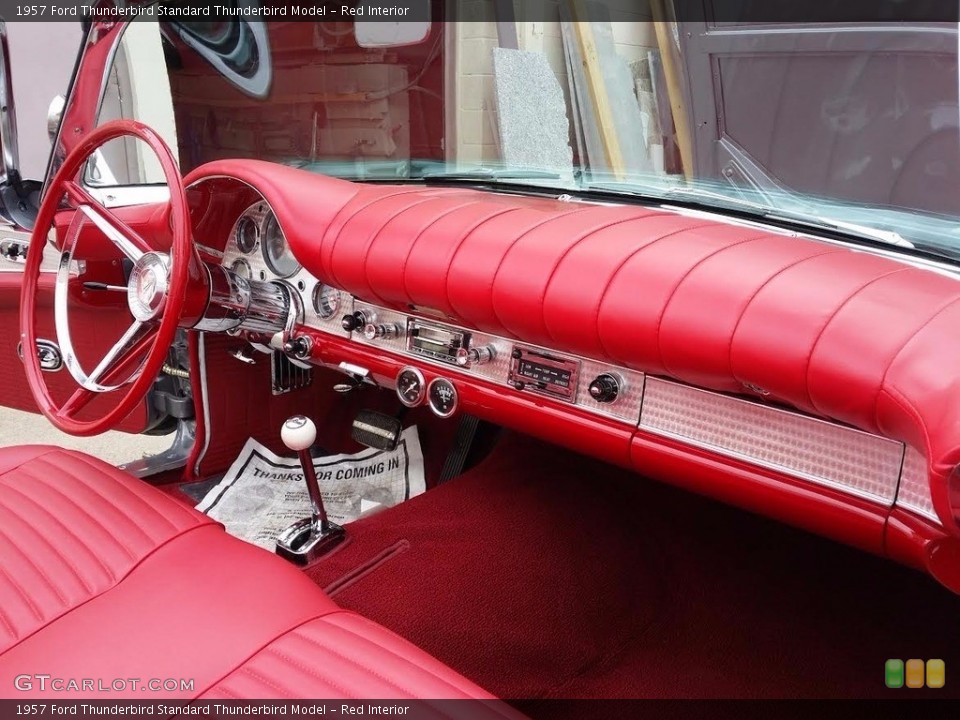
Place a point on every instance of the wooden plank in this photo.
(598, 90)
(668, 58)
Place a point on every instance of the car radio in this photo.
(436, 342)
(544, 373)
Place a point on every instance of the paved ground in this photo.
(20, 428)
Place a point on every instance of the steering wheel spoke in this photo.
(124, 237)
(122, 355)
(75, 403)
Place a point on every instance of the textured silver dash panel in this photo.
(626, 408)
(839, 457)
(302, 281)
(914, 493)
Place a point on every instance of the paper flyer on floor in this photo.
(264, 493)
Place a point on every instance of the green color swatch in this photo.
(893, 673)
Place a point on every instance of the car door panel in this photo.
(97, 319)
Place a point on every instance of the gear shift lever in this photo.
(307, 539)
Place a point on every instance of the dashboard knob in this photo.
(605, 388)
(475, 356)
(353, 321)
(299, 347)
(386, 331)
(483, 354)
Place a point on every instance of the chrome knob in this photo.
(353, 321)
(605, 388)
(385, 331)
(475, 356)
(299, 347)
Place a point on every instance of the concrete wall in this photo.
(42, 55)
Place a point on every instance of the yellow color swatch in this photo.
(915, 673)
(936, 673)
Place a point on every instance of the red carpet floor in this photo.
(544, 574)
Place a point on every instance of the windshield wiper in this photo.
(711, 200)
(888, 237)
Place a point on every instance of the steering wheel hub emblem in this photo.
(147, 288)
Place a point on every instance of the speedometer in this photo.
(276, 251)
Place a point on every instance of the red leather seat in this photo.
(105, 577)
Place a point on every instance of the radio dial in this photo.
(475, 356)
(605, 388)
(386, 331)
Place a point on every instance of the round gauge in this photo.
(276, 251)
(326, 300)
(247, 235)
(442, 397)
(242, 268)
(411, 387)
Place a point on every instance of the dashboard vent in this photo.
(287, 375)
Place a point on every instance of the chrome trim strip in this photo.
(941, 267)
(202, 357)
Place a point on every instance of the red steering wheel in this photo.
(156, 290)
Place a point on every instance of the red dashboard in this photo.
(797, 377)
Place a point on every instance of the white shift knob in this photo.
(298, 433)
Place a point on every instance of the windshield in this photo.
(850, 125)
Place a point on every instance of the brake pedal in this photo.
(376, 430)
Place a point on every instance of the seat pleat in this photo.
(71, 527)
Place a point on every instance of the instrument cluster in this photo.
(257, 249)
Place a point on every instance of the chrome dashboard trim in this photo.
(625, 409)
(804, 447)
